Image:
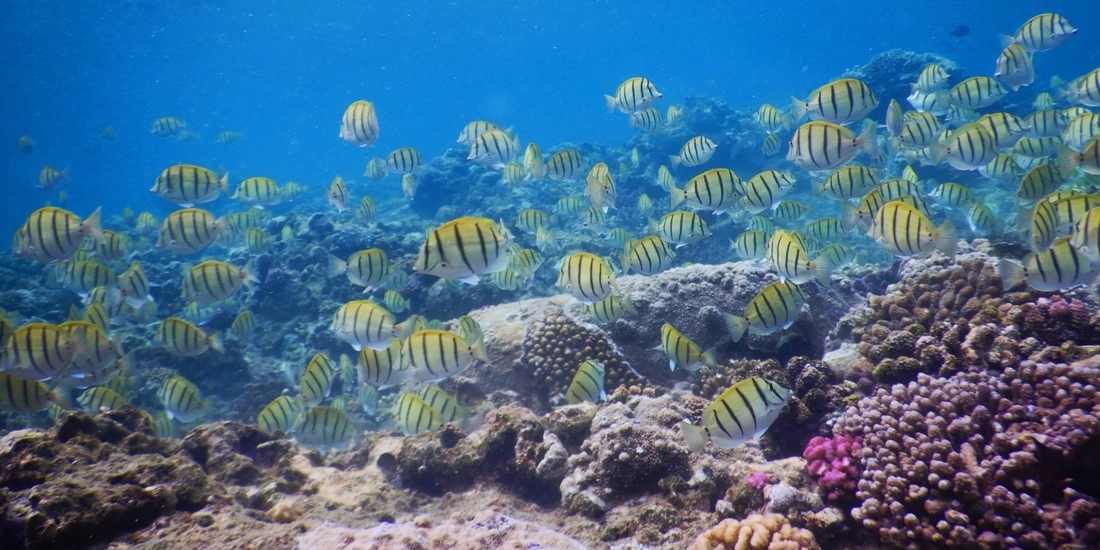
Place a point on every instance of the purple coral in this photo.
(757, 480)
(834, 462)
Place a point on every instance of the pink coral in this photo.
(833, 462)
(757, 480)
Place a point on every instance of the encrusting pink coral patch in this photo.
(833, 462)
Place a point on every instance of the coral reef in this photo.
(834, 461)
(945, 463)
(756, 532)
(890, 72)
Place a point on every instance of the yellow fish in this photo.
(280, 415)
(464, 249)
(682, 351)
(212, 281)
(190, 230)
(53, 235)
(188, 185)
(323, 428)
(588, 384)
(774, 308)
(258, 192)
(182, 338)
(586, 277)
(438, 354)
(337, 194)
(744, 411)
(359, 125)
(841, 101)
(182, 399)
(634, 95)
(904, 231)
(698, 150)
(365, 323)
(367, 268)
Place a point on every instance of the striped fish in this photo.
(190, 230)
(771, 119)
(822, 145)
(255, 241)
(774, 308)
(469, 330)
(114, 246)
(1041, 33)
(967, 148)
(958, 115)
(1080, 130)
(394, 301)
(316, 380)
(405, 160)
(337, 194)
(682, 351)
(825, 229)
(788, 255)
(182, 338)
(1004, 128)
(838, 254)
(751, 245)
(766, 189)
(977, 92)
(363, 323)
(665, 178)
(619, 237)
(849, 182)
(565, 165)
(1002, 168)
(168, 126)
(164, 426)
(376, 170)
(681, 228)
(212, 281)
(1014, 67)
(359, 126)
(506, 279)
(95, 314)
(895, 118)
(841, 101)
(323, 428)
(146, 223)
(1071, 208)
(932, 78)
(698, 150)
(1045, 123)
(181, 399)
(1039, 182)
(609, 309)
(744, 411)
(714, 190)
(1036, 147)
(414, 416)
(1086, 235)
(634, 95)
(280, 415)
(904, 231)
(493, 149)
(438, 354)
(648, 256)
(771, 145)
(588, 384)
(448, 408)
(463, 249)
(895, 188)
(599, 187)
(475, 128)
(933, 103)
(673, 114)
(919, 131)
(513, 174)
(40, 351)
(24, 395)
(571, 205)
(788, 211)
(258, 192)
(981, 219)
(293, 190)
(188, 185)
(586, 277)
(243, 325)
(95, 350)
(95, 400)
(534, 169)
(951, 195)
(368, 396)
(1061, 267)
(1038, 224)
(81, 277)
(366, 210)
(645, 205)
(382, 368)
(525, 262)
(1084, 90)
(367, 268)
(53, 235)
(649, 120)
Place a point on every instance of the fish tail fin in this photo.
(222, 225)
(947, 238)
(800, 108)
(936, 153)
(710, 358)
(63, 396)
(91, 226)
(1023, 220)
(403, 330)
(1011, 272)
(675, 196)
(652, 227)
(478, 351)
(248, 273)
(694, 437)
(675, 160)
(336, 266)
(868, 141)
(1068, 160)
(823, 270)
(818, 187)
(612, 103)
(216, 342)
(1007, 40)
(849, 216)
(625, 260)
(736, 326)
(223, 183)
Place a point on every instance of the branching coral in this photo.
(756, 532)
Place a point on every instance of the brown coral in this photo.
(756, 532)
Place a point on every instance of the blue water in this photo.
(284, 75)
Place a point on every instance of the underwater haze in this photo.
(283, 73)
